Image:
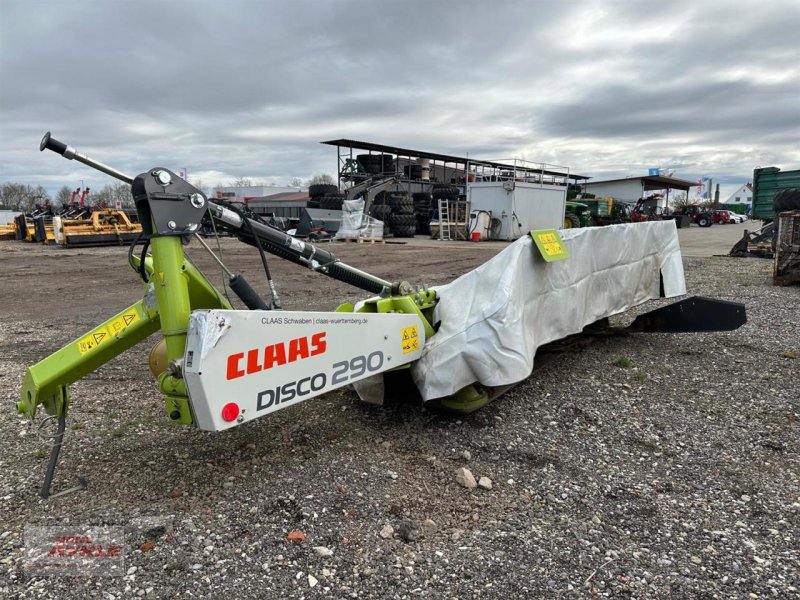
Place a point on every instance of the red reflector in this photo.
(230, 411)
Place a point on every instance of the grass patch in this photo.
(640, 376)
(623, 362)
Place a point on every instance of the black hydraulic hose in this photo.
(285, 246)
(273, 292)
(140, 268)
(333, 269)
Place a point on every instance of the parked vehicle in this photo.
(607, 211)
(722, 217)
(577, 214)
(700, 215)
(590, 212)
(737, 218)
(646, 209)
(774, 191)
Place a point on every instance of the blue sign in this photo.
(653, 171)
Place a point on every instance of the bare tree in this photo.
(241, 182)
(19, 196)
(13, 195)
(680, 200)
(296, 182)
(322, 179)
(63, 195)
(40, 195)
(198, 183)
(112, 192)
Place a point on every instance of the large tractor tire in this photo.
(705, 220)
(319, 190)
(788, 199)
(380, 211)
(386, 163)
(371, 163)
(423, 224)
(381, 198)
(406, 231)
(443, 190)
(571, 221)
(403, 221)
(401, 204)
(331, 202)
(423, 202)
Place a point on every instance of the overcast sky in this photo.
(235, 88)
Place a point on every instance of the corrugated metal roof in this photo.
(369, 146)
(653, 182)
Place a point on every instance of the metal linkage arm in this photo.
(154, 200)
(68, 152)
(285, 246)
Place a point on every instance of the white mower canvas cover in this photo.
(494, 318)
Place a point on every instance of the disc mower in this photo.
(462, 344)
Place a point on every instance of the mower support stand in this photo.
(47, 381)
(58, 440)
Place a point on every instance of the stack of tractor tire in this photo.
(380, 208)
(402, 220)
(323, 195)
(443, 191)
(423, 210)
(377, 164)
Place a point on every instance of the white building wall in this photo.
(744, 195)
(519, 207)
(7, 216)
(250, 191)
(621, 190)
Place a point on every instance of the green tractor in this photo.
(596, 211)
(577, 214)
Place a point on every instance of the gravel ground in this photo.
(650, 466)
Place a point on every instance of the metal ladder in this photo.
(444, 219)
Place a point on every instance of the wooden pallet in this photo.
(364, 240)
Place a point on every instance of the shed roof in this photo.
(369, 146)
(653, 182)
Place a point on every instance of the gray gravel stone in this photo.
(621, 476)
(465, 478)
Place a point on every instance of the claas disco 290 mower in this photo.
(462, 344)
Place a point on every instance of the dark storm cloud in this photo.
(716, 111)
(250, 88)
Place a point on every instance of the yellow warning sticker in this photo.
(550, 245)
(104, 334)
(410, 338)
(93, 340)
(122, 321)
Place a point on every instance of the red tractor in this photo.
(647, 209)
(700, 215)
